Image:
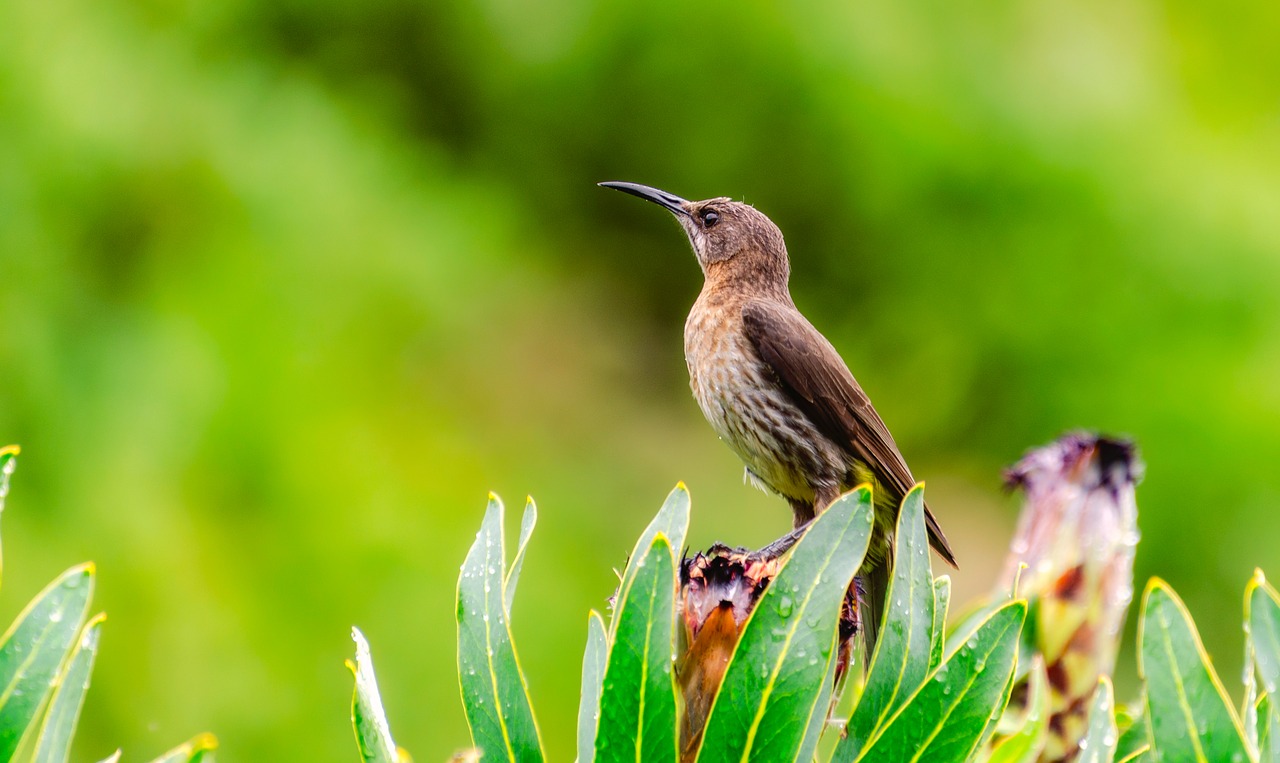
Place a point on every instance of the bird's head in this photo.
(727, 236)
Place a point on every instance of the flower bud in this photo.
(1076, 537)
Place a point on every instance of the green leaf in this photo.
(1026, 742)
(1137, 756)
(638, 698)
(941, 603)
(594, 660)
(672, 520)
(59, 726)
(901, 659)
(1262, 619)
(8, 461)
(1133, 737)
(1268, 720)
(1102, 735)
(973, 615)
(774, 679)
(1003, 705)
(373, 733)
(495, 697)
(197, 750)
(32, 652)
(1188, 714)
(527, 523)
(818, 718)
(945, 720)
(112, 758)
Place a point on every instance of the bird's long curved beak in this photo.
(661, 198)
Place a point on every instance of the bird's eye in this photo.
(710, 218)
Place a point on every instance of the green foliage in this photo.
(638, 699)
(779, 669)
(1185, 713)
(494, 693)
(59, 726)
(46, 660)
(32, 652)
(927, 695)
(941, 603)
(911, 629)
(1262, 624)
(1189, 714)
(1099, 744)
(672, 520)
(594, 661)
(947, 717)
(373, 732)
(1133, 737)
(1025, 742)
(783, 664)
(913, 705)
(1267, 723)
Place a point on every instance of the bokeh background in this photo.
(286, 287)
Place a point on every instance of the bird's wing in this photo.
(815, 375)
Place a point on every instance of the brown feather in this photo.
(820, 384)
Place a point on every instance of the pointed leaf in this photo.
(1133, 736)
(1027, 741)
(1137, 756)
(494, 694)
(1102, 736)
(1249, 718)
(819, 717)
(672, 520)
(373, 733)
(594, 660)
(1188, 714)
(8, 461)
(945, 720)
(775, 677)
(1262, 618)
(1268, 720)
(112, 758)
(527, 522)
(1003, 704)
(638, 699)
(197, 750)
(32, 652)
(1258, 606)
(901, 658)
(941, 603)
(59, 726)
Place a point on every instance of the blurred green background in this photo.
(287, 287)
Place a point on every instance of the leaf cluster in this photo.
(46, 661)
(923, 697)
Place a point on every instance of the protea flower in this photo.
(1076, 538)
(718, 590)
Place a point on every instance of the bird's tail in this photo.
(872, 594)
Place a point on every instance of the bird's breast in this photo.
(742, 400)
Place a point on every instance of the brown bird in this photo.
(776, 391)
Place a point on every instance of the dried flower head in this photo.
(719, 588)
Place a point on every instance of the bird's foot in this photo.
(782, 545)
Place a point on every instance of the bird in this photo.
(777, 391)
